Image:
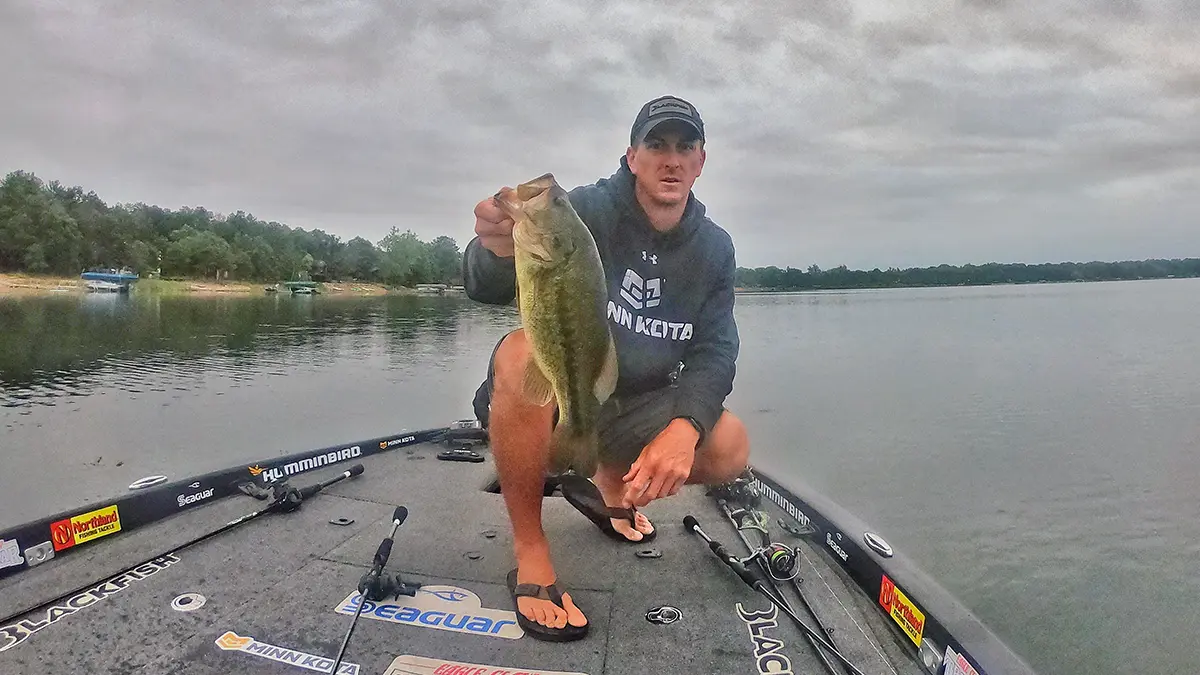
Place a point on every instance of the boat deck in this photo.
(279, 579)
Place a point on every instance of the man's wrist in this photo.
(692, 423)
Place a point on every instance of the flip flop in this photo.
(585, 496)
(536, 630)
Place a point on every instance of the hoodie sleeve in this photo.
(487, 277)
(709, 361)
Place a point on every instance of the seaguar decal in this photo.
(442, 608)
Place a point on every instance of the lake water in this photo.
(1036, 449)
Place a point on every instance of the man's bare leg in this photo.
(520, 440)
(722, 457)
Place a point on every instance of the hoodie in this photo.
(670, 295)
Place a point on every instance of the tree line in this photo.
(815, 278)
(50, 228)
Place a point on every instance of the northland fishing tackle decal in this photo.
(85, 527)
(407, 664)
(768, 652)
(16, 633)
(440, 607)
(906, 615)
(232, 642)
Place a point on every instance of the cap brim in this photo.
(654, 124)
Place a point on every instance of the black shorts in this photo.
(627, 423)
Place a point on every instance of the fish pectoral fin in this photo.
(606, 383)
(536, 387)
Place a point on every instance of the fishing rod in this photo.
(790, 561)
(744, 573)
(374, 585)
(284, 498)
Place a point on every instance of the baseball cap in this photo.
(660, 110)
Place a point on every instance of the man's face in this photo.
(667, 163)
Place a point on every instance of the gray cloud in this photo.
(869, 133)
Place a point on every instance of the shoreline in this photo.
(20, 284)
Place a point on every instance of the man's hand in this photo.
(494, 228)
(664, 465)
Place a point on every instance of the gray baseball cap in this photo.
(660, 110)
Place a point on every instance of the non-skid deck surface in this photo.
(277, 581)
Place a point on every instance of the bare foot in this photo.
(611, 488)
(534, 567)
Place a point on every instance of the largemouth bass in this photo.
(561, 298)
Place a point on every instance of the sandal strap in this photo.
(540, 592)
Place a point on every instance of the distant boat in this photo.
(110, 281)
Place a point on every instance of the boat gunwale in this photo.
(947, 621)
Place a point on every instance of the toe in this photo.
(574, 616)
(623, 527)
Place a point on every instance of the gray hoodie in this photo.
(670, 295)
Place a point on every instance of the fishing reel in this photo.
(741, 490)
(782, 561)
(376, 587)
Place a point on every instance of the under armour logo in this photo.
(640, 293)
(653, 257)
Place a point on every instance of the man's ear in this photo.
(629, 152)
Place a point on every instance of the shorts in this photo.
(626, 425)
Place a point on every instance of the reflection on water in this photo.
(1035, 448)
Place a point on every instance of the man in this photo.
(670, 273)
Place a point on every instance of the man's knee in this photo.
(727, 449)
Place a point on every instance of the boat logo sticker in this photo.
(957, 664)
(185, 500)
(440, 607)
(408, 664)
(85, 527)
(768, 651)
(16, 633)
(10, 553)
(274, 474)
(906, 615)
(232, 642)
(837, 548)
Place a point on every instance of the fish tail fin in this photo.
(574, 449)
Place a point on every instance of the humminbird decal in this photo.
(16, 633)
(232, 642)
(440, 607)
(307, 464)
(408, 664)
(768, 656)
(784, 504)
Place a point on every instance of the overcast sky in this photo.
(858, 132)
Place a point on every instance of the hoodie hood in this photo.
(622, 183)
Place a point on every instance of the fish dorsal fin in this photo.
(606, 383)
(535, 386)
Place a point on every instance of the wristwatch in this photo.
(695, 423)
